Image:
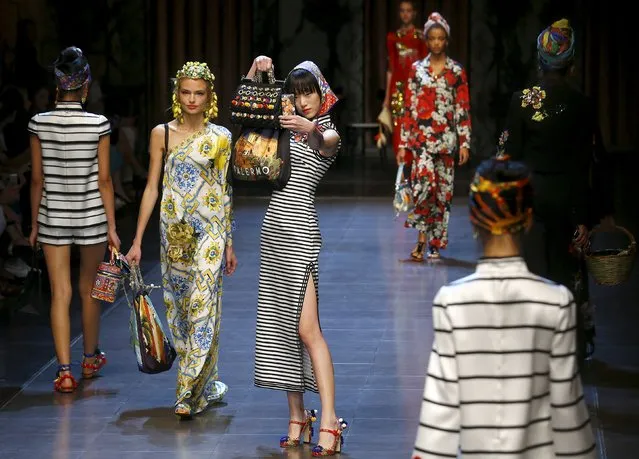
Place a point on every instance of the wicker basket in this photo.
(611, 266)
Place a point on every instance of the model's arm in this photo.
(408, 121)
(105, 185)
(324, 137)
(569, 417)
(440, 419)
(150, 195)
(37, 184)
(392, 52)
(462, 111)
(224, 167)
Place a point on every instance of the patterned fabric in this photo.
(404, 48)
(556, 45)
(499, 204)
(73, 81)
(503, 379)
(436, 19)
(432, 189)
(328, 96)
(196, 223)
(436, 123)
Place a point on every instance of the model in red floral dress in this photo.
(436, 124)
(405, 46)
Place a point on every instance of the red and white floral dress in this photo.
(436, 123)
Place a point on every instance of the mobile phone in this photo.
(288, 104)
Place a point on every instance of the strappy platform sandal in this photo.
(183, 410)
(90, 369)
(338, 442)
(418, 252)
(306, 434)
(58, 383)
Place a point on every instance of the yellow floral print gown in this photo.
(196, 222)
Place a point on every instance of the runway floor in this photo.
(375, 309)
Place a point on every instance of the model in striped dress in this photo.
(503, 379)
(291, 353)
(72, 203)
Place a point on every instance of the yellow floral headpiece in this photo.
(195, 71)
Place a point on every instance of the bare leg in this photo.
(90, 258)
(295, 412)
(58, 259)
(314, 341)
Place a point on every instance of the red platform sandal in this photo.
(58, 383)
(90, 369)
(306, 434)
(320, 451)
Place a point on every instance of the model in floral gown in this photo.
(195, 225)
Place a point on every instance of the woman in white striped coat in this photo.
(503, 379)
(72, 203)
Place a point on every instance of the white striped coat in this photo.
(503, 380)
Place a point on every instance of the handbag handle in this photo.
(114, 254)
(270, 75)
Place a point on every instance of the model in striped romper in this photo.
(71, 208)
(503, 380)
(72, 203)
(290, 350)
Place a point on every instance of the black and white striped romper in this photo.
(71, 209)
(290, 247)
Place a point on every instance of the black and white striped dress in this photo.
(503, 379)
(71, 209)
(290, 247)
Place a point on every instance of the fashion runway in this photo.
(375, 310)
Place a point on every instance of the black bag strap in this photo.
(166, 138)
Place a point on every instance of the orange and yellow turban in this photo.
(501, 196)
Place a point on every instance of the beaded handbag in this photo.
(256, 103)
(107, 279)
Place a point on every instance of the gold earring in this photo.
(177, 110)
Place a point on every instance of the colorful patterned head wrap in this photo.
(73, 81)
(328, 96)
(197, 71)
(501, 196)
(436, 19)
(556, 46)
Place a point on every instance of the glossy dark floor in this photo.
(376, 315)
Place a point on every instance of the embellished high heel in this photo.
(320, 451)
(183, 410)
(60, 378)
(90, 370)
(418, 252)
(306, 434)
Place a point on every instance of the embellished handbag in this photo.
(262, 155)
(403, 201)
(258, 104)
(107, 279)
